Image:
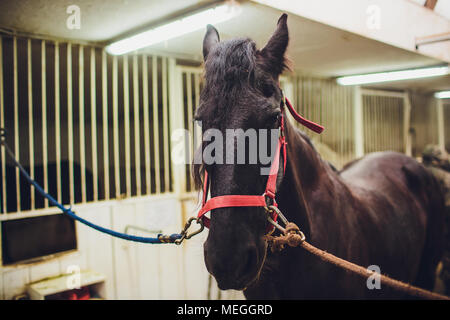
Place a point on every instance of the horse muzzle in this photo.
(234, 267)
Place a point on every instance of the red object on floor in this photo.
(77, 294)
(83, 294)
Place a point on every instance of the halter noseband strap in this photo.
(226, 201)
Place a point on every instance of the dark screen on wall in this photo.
(30, 238)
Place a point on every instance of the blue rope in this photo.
(158, 240)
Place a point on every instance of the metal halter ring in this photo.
(184, 233)
(271, 209)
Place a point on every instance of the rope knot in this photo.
(292, 236)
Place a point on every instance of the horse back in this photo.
(404, 205)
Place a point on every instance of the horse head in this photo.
(241, 92)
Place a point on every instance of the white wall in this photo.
(132, 270)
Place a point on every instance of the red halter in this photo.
(256, 201)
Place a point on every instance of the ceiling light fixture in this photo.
(174, 29)
(442, 95)
(393, 76)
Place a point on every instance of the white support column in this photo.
(358, 122)
(440, 123)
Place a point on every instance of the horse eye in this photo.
(275, 118)
(267, 90)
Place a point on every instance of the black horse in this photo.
(385, 209)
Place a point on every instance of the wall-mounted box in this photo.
(60, 287)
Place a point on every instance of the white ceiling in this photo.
(315, 48)
(100, 19)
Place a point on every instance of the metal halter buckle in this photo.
(184, 233)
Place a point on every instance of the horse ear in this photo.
(273, 53)
(211, 38)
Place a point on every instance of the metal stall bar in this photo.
(374, 118)
(394, 130)
(94, 125)
(16, 121)
(347, 120)
(30, 121)
(342, 117)
(126, 111)
(70, 122)
(336, 129)
(387, 107)
(57, 124)
(378, 136)
(349, 145)
(146, 123)
(382, 103)
(386, 112)
(165, 126)
(407, 124)
(81, 123)
(369, 139)
(358, 132)
(137, 140)
(325, 92)
(105, 124)
(311, 106)
(394, 107)
(156, 123)
(344, 129)
(190, 121)
(2, 125)
(397, 134)
(44, 117)
(344, 126)
(116, 127)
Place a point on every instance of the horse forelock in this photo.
(232, 70)
(229, 70)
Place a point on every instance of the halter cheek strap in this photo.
(227, 201)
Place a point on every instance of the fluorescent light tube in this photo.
(442, 95)
(393, 76)
(174, 29)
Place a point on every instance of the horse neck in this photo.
(305, 173)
